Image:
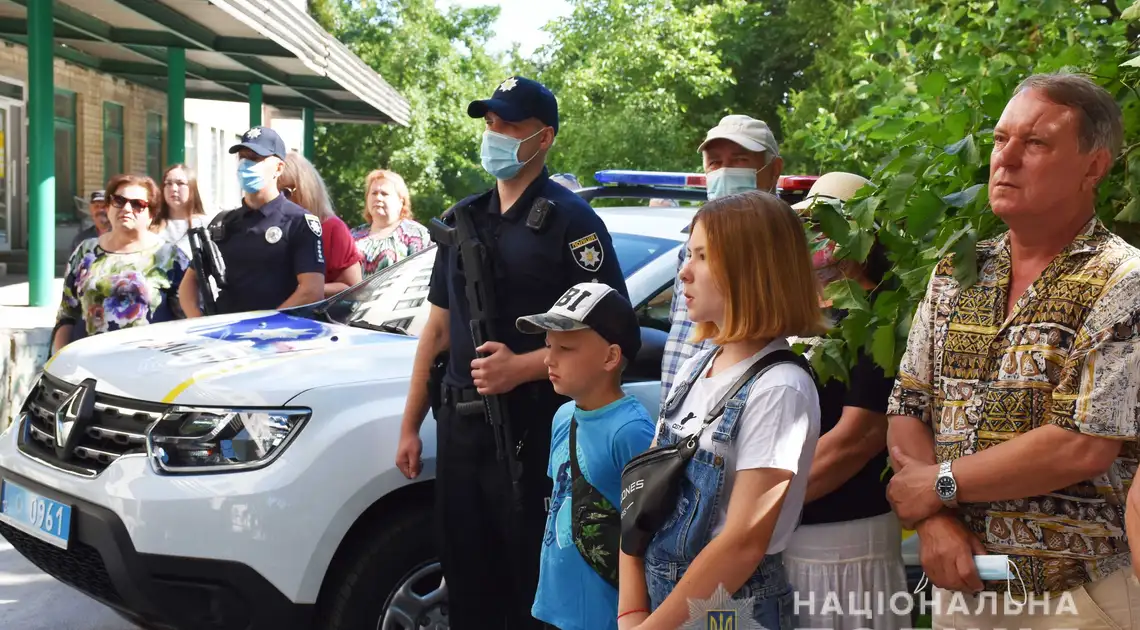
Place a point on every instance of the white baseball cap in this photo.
(748, 132)
(835, 185)
(590, 305)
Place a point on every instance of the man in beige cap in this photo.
(740, 154)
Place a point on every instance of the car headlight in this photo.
(202, 439)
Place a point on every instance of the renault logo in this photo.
(72, 418)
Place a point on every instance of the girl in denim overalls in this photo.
(748, 284)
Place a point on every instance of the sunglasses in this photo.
(138, 205)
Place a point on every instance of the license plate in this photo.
(35, 515)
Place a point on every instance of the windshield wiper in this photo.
(388, 328)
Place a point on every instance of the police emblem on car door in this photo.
(588, 252)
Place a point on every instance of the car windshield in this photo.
(395, 299)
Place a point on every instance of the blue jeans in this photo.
(773, 606)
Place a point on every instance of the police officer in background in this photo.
(270, 246)
(543, 239)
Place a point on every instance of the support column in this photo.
(41, 156)
(175, 106)
(255, 105)
(308, 123)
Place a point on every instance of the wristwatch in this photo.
(946, 486)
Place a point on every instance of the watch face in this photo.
(945, 487)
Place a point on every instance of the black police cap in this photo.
(262, 141)
(517, 99)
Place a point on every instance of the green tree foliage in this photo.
(438, 61)
(640, 81)
(907, 94)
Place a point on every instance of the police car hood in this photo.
(259, 358)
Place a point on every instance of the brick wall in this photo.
(92, 89)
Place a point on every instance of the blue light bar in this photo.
(651, 178)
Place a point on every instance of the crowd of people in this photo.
(133, 266)
(1010, 430)
(1007, 438)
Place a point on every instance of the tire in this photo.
(383, 565)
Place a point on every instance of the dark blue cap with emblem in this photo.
(518, 99)
(262, 141)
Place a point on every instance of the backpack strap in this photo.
(753, 373)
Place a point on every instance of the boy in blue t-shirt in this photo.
(592, 334)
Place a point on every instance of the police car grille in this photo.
(118, 428)
(81, 566)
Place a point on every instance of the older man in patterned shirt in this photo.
(1014, 416)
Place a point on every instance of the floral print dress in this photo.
(105, 291)
(408, 238)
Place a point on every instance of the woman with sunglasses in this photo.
(127, 277)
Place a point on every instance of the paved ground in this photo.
(31, 600)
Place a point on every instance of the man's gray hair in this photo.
(1100, 123)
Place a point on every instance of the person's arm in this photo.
(348, 278)
(69, 311)
(860, 435)
(633, 592)
(61, 337)
(188, 294)
(310, 288)
(308, 258)
(435, 338)
(1132, 521)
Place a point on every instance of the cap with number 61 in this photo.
(590, 306)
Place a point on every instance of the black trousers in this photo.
(490, 552)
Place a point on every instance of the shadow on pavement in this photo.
(33, 600)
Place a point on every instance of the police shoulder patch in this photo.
(314, 224)
(588, 252)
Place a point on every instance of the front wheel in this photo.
(390, 578)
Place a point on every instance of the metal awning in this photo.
(230, 45)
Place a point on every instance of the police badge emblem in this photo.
(588, 252)
(272, 235)
(314, 224)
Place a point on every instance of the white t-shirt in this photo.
(778, 428)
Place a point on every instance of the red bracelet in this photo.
(630, 612)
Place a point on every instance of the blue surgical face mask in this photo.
(500, 154)
(249, 176)
(730, 181)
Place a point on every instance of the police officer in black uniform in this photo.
(543, 239)
(271, 247)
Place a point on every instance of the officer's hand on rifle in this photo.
(500, 371)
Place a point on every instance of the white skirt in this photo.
(845, 574)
